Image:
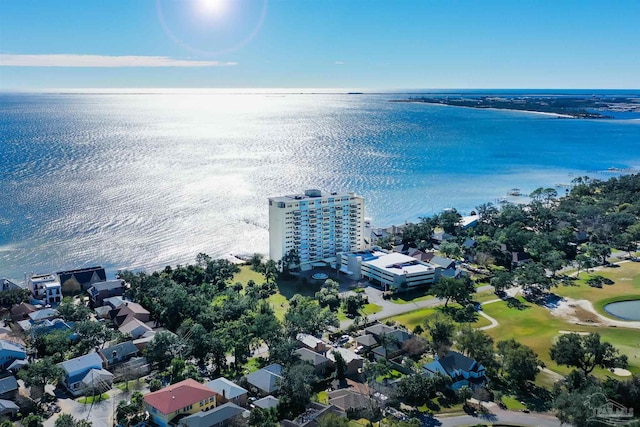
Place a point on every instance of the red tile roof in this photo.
(178, 396)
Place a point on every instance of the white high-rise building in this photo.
(316, 225)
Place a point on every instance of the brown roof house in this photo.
(127, 311)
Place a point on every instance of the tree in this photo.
(130, 413)
(32, 420)
(341, 367)
(91, 334)
(37, 374)
(305, 315)
(155, 385)
(352, 304)
(519, 362)
(441, 331)
(502, 280)
(599, 251)
(296, 388)
(477, 345)
(328, 295)
(263, 418)
(256, 262)
(449, 288)
(270, 271)
(584, 262)
(532, 276)
(450, 250)
(332, 420)
(72, 312)
(160, 351)
(67, 420)
(585, 352)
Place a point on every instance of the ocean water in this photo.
(144, 180)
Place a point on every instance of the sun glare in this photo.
(212, 7)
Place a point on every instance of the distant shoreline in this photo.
(542, 113)
(578, 107)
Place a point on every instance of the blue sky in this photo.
(371, 44)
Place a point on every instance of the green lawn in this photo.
(512, 403)
(626, 278)
(417, 317)
(535, 327)
(91, 399)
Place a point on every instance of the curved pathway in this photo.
(390, 309)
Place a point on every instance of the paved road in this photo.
(390, 308)
(496, 415)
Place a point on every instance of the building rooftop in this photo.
(309, 195)
(178, 396)
(213, 417)
(267, 402)
(397, 263)
(226, 388)
(266, 379)
(86, 362)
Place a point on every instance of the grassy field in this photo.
(626, 278)
(91, 399)
(417, 317)
(535, 327)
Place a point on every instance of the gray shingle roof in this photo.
(212, 417)
(8, 384)
(226, 388)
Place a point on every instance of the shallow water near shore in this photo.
(140, 181)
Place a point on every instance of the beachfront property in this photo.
(316, 226)
(45, 288)
(393, 271)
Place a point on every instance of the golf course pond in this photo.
(626, 310)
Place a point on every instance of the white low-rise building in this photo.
(45, 287)
(392, 270)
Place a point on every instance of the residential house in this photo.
(519, 258)
(8, 408)
(75, 371)
(82, 278)
(228, 391)
(8, 388)
(470, 221)
(267, 402)
(350, 400)
(8, 285)
(312, 343)
(321, 364)
(353, 361)
(223, 415)
(114, 302)
(44, 314)
(390, 339)
(461, 369)
(45, 288)
(366, 341)
(314, 412)
(420, 255)
(127, 311)
(185, 397)
(97, 381)
(444, 263)
(441, 236)
(10, 352)
(101, 290)
(134, 328)
(22, 311)
(266, 380)
(46, 327)
(118, 353)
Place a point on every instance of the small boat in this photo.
(514, 192)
